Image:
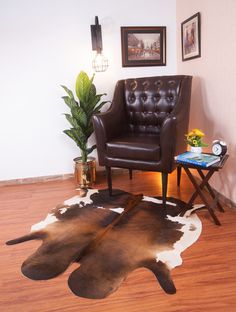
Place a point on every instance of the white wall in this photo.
(45, 43)
(213, 106)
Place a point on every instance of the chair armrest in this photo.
(168, 143)
(110, 124)
(107, 125)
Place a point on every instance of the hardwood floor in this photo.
(205, 282)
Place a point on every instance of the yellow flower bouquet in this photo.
(194, 138)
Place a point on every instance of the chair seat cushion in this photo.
(135, 146)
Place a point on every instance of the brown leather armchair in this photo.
(145, 126)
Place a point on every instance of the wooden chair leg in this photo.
(109, 181)
(130, 174)
(178, 175)
(164, 186)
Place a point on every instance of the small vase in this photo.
(196, 149)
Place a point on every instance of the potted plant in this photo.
(195, 139)
(80, 119)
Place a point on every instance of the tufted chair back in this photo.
(145, 126)
(149, 101)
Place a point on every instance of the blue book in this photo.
(203, 160)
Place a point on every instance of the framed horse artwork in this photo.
(191, 37)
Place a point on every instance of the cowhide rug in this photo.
(108, 242)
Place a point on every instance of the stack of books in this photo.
(203, 160)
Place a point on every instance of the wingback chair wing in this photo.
(145, 125)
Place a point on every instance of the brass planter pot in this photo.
(85, 173)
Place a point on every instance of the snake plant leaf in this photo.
(82, 86)
(70, 102)
(92, 78)
(95, 101)
(84, 105)
(92, 93)
(68, 91)
(100, 95)
(98, 108)
(73, 122)
(71, 135)
(89, 130)
(80, 116)
(80, 137)
(95, 108)
(67, 100)
(97, 98)
(70, 119)
(90, 149)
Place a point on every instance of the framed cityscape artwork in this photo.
(143, 46)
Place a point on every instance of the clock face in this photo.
(217, 149)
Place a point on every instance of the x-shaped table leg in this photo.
(198, 191)
(215, 197)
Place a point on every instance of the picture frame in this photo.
(143, 46)
(191, 37)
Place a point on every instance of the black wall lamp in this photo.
(100, 63)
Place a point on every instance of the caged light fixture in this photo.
(100, 63)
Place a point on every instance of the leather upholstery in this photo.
(135, 146)
(149, 102)
(145, 125)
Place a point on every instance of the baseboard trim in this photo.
(54, 177)
(222, 198)
(225, 200)
(36, 179)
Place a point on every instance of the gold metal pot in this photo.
(85, 173)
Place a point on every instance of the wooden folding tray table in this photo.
(203, 184)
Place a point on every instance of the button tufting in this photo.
(143, 97)
(170, 97)
(172, 83)
(156, 97)
(146, 84)
(150, 101)
(158, 84)
(133, 85)
(131, 98)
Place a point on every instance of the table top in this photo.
(216, 166)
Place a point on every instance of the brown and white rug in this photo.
(109, 242)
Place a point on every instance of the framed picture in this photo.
(143, 46)
(191, 37)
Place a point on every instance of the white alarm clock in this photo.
(219, 148)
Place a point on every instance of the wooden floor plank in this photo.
(205, 282)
